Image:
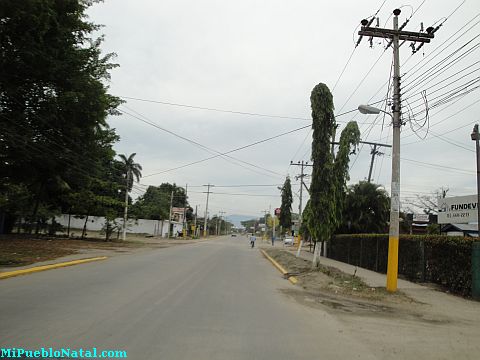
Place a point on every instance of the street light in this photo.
(371, 110)
(394, 230)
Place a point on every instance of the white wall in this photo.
(140, 226)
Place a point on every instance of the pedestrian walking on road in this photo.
(252, 240)
(273, 240)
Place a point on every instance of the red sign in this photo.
(277, 211)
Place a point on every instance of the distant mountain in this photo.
(237, 219)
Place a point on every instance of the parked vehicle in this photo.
(288, 240)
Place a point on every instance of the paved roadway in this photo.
(213, 300)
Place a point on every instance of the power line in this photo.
(232, 111)
(447, 132)
(434, 69)
(441, 46)
(230, 151)
(375, 63)
(363, 79)
(202, 147)
(437, 123)
(437, 166)
(448, 78)
(301, 145)
(239, 194)
(245, 185)
(61, 157)
(215, 109)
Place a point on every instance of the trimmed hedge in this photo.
(444, 260)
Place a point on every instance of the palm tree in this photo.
(131, 169)
(366, 210)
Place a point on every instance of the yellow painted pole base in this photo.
(392, 266)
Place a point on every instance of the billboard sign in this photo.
(421, 217)
(457, 210)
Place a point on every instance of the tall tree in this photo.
(53, 102)
(155, 202)
(330, 174)
(131, 170)
(286, 206)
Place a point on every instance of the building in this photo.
(460, 230)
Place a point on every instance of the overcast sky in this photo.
(264, 57)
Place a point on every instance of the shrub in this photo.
(444, 260)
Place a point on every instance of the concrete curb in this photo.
(9, 274)
(280, 268)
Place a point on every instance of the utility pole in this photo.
(476, 138)
(195, 226)
(373, 152)
(265, 212)
(206, 209)
(395, 35)
(273, 224)
(184, 223)
(302, 165)
(476, 244)
(170, 216)
(221, 215)
(125, 213)
(333, 143)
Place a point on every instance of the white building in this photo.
(139, 226)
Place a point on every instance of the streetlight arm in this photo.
(371, 110)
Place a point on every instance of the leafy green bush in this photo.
(444, 260)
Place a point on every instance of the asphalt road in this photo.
(213, 300)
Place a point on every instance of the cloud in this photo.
(265, 57)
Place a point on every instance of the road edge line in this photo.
(279, 267)
(9, 274)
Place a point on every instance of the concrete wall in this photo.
(140, 226)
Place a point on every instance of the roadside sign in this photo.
(421, 217)
(457, 210)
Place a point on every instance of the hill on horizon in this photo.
(237, 219)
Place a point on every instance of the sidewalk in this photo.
(441, 301)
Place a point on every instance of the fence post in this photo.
(361, 252)
(424, 265)
(376, 258)
(476, 270)
(348, 250)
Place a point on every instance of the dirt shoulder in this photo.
(20, 251)
(417, 323)
(329, 286)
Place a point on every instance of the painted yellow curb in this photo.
(8, 274)
(292, 279)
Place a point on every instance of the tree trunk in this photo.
(108, 230)
(35, 207)
(37, 226)
(84, 228)
(68, 228)
(316, 255)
